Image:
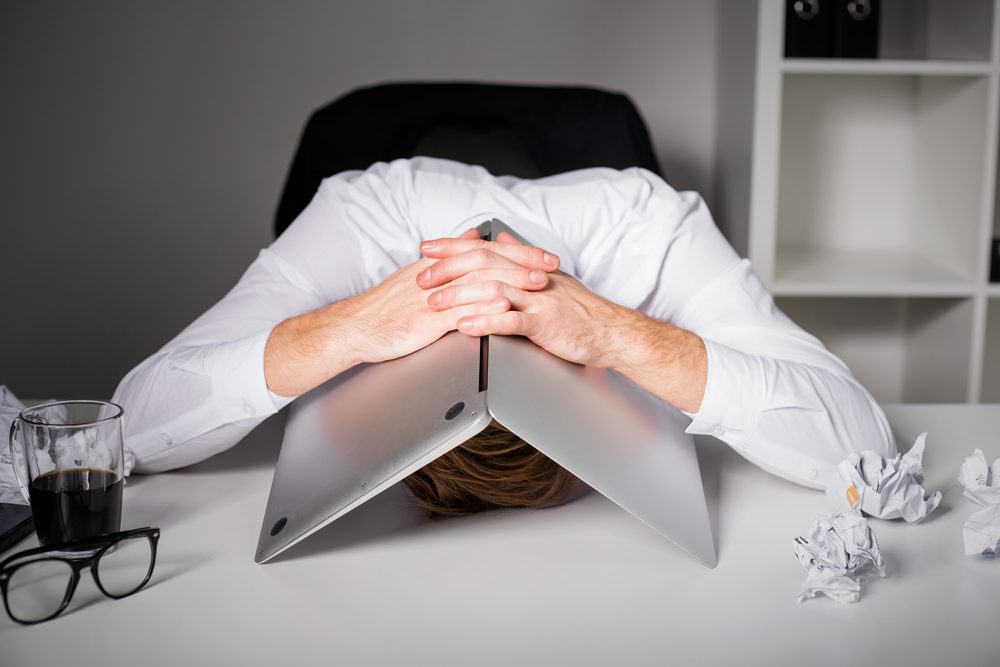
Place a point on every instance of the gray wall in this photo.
(144, 145)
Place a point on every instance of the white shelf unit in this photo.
(871, 192)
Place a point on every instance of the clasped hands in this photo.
(488, 287)
(480, 288)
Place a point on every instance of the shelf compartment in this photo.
(903, 350)
(936, 29)
(991, 362)
(881, 169)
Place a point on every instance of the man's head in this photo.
(493, 469)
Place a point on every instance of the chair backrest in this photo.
(525, 131)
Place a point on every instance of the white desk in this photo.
(583, 584)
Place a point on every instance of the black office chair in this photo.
(525, 131)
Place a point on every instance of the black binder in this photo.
(995, 263)
(856, 29)
(809, 28)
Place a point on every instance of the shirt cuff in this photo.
(734, 396)
(280, 401)
(237, 373)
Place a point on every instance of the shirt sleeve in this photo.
(774, 393)
(205, 389)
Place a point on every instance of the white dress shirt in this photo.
(774, 393)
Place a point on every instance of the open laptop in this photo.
(355, 436)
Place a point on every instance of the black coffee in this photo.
(75, 503)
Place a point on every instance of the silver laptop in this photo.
(365, 430)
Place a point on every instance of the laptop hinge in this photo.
(484, 341)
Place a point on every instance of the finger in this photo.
(468, 234)
(510, 323)
(522, 279)
(508, 238)
(458, 294)
(456, 266)
(495, 306)
(527, 256)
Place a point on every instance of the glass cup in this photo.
(71, 467)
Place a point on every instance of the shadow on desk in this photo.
(258, 450)
(385, 517)
(710, 460)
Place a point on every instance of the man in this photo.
(624, 273)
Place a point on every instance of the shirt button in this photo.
(718, 432)
(166, 439)
(808, 471)
(247, 408)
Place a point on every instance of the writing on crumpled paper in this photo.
(838, 552)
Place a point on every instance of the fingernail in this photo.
(537, 277)
(499, 302)
(424, 276)
(550, 259)
(428, 245)
(435, 298)
(465, 325)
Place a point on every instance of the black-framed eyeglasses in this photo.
(39, 583)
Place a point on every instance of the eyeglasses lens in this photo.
(123, 569)
(37, 590)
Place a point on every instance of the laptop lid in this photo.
(358, 434)
(363, 431)
(621, 440)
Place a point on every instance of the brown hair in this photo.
(493, 469)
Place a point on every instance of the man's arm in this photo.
(665, 360)
(392, 319)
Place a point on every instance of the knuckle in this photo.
(483, 256)
(495, 288)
